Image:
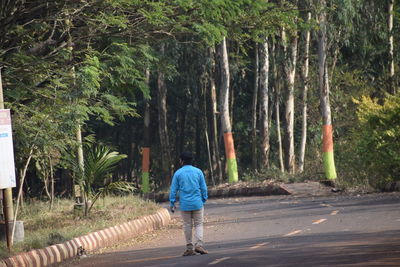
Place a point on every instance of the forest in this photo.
(108, 92)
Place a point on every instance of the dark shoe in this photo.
(201, 250)
(189, 252)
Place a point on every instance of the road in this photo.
(361, 230)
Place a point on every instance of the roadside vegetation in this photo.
(105, 95)
(44, 227)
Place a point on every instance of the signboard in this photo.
(7, 168)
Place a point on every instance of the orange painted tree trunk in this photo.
(327, 139)
(224, 110)
(145, 185)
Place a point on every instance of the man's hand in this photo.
(172, 208)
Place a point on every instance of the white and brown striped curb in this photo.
(90, 242)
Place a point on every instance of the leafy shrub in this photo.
(378, 138)
(94, 179)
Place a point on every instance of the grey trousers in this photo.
(190, 219)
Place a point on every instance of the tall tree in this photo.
(264, 73)
(277, 88)
(305, 68)
(145, 187)
(224, 109)
(254, 109)
(162, 125)
(214, 120)
(290, 52)
(324, 90)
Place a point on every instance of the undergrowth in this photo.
(44, 227)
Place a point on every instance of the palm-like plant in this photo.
(93, 178)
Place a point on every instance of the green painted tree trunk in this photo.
(328, 155)
(224, 110)
(145, 183)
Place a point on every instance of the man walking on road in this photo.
(190, 183)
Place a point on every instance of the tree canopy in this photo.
(84, 62)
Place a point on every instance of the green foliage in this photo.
(43, 227)
(66, 63)
(95, 177)
(378, 138)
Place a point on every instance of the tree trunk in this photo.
(304, 97)
(180, 123)
(162, 127)
(290, 72)
(254, 111)
(46, 183)
(78, 130)
(391, 47)
(81, 161)
(224, 109)
(214, 124)
(264, 72)
(328, 157)
(20, 191)
(199, 124)
(52, 182)
(207, 139)
(276, 86)
(278, 130)
(145, 185)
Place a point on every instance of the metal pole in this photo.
(7, 193)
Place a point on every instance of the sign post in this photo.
(7, 168)
(10, 179)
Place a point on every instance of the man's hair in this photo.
(186, 157)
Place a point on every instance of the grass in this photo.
(43, 227)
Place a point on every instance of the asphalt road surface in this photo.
(337, 230)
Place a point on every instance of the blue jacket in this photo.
(190, 183)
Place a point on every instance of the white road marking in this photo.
(334, 212)
(293, 233)
(325, 205)
(319, 221)
(259, 245)
(219, 260)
